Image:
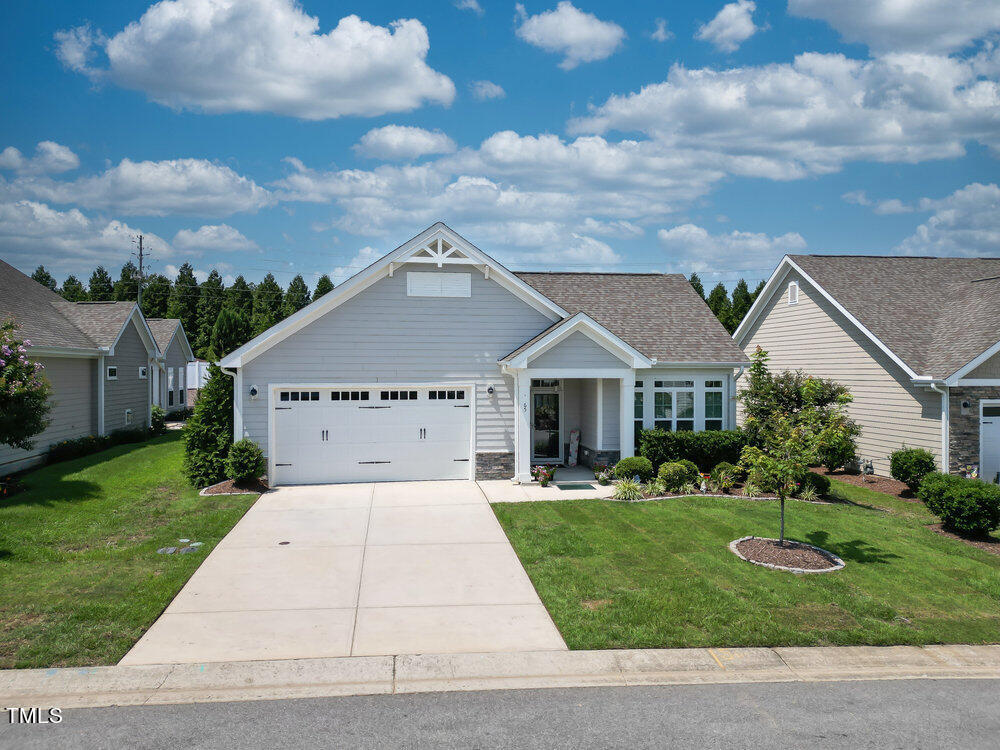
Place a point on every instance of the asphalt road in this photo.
(887, 714)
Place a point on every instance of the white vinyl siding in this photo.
(73, 413)
(577, 350)
(815, 337)
(382, 335)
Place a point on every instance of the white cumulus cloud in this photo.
(732, 26)
(262, 56)
(364, 258)
(694, 247)
(483, 90)
(580, 37)
(965, 223)
(394, 142)
(932, 26)
(472, 5)
(50, 157)
(213, 237)
(661, 33)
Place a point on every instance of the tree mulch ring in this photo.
(797, 557)
(229, 487)
(989, 544)
(886, 485)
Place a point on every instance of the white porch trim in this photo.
(582, 323)
(626, 394)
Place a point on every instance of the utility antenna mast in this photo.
(140, 254)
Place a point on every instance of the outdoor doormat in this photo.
(575, 486)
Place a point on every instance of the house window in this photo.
(423, 284)
(793, 293)
(713, 407)
(128, 417)
(112, 373)
(673, 405)
(170, 386)
(544, 383)
(143, 373)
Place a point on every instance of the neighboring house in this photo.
(170, 377)
(197, 376)
(436, 362)
(97, 357)
(917, 341)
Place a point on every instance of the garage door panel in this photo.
(360, 440)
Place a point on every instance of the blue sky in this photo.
(271, 135)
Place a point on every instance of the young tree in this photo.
(323, 286)
(72, 290)
(100, 288)
(239, 297)
(210, 299)
(296, 297)
(266, 305)
(44, 278)
(718, 302)
(183, 301)
(698, 286)
(209, 432)
(230, 332)
(127, 287)
(156, 296)
(741, 301)
(24, 392)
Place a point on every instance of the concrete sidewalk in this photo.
(371, 675)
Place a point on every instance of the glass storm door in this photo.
(546, 444)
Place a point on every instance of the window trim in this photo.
(110, 369)
(793, 299)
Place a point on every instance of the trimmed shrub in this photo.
(819, 483)
(67, 450)
(837, 446)
(965, 506)
(209, 432)
(629, 468)
(675, 475)
(724, 466)
(694, 475)
(911, 465)
(157, 420)
(245, 462)
(705, 449)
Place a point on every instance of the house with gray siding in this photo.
(916, 340)
(97, 357)
(170, 387)
(437, 362)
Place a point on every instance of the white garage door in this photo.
(371, 434)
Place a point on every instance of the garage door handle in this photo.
(374, 407)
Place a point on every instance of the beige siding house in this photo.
(98, 358)
(923, 370)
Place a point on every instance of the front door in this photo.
(546, 440)
(989, 441)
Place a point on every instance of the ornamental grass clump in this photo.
(628, 490)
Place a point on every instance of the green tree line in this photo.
(730, 309)
(216, 318)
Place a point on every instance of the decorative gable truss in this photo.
(439, 252)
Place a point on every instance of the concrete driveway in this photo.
(353, 570)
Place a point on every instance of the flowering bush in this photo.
(604, 477)
(543, 474)
(24, 392)
(600, 469)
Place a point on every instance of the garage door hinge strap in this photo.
(461, 460)
(282, 464)
(374, 462)
(282, 408)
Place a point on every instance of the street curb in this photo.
(90, 687)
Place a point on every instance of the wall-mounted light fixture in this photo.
(253, 392)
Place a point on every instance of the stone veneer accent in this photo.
(589, 457)
(964, 428)
(494, 465)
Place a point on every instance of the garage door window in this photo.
(451, 395)
(299, 396)
(349, 396)
(399, 395)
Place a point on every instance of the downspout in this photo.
(945, 426)
(100, 394)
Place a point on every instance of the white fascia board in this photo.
(378, 270)
(976, 381)
(582, 323)
(786, 265)
(972, 364)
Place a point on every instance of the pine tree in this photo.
(296, 297)
(323, 286)
(230, 332)
(266, 305)
(126, 289)
(155, 296)
(742, 300)
(718, 303)
(757, 290)
(72, 290)
(183, 302)
(209, 432)
(698, 286)
(239, 297)
(44, 278)
(100, 288)
(210, 299)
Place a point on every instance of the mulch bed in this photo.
(229, 487)
(989, 544)
(794, 555)
(887, 485)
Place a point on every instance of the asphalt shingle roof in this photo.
(659, 314)
(936, 314)
(163, 330)
(46, 319)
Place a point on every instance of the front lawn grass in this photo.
(660, 575)
(81, 577)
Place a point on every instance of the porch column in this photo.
(522, 427)
(626, 440)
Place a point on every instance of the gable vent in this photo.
(424, 284)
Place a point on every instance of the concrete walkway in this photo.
(354, 570)
(371, 675)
